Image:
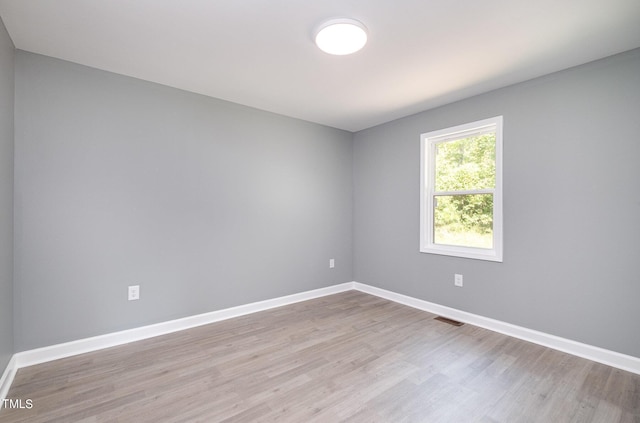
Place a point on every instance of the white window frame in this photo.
(428, 142)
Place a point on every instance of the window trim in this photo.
(427, 190)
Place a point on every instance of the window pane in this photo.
(463, 220)
(466, 163)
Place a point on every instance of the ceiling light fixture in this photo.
(341, 36)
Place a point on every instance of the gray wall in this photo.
(207, 204)
(571, 205)
(6, 197)
(204, 203)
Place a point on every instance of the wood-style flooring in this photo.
(345, 357)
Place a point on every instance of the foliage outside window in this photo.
(461, 186)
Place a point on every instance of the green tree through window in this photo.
(463, 165)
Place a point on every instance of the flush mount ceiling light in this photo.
(341, 36)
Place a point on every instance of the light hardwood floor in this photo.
(345, 357)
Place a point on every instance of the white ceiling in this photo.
(421, 53)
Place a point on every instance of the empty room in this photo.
(333, 211)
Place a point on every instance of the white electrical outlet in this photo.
(134, 292)
(332, 263)
(457, 279)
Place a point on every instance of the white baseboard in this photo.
(54, 352)
(67, 349)
(600, 355)
(7, 378)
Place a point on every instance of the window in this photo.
(461, 191)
